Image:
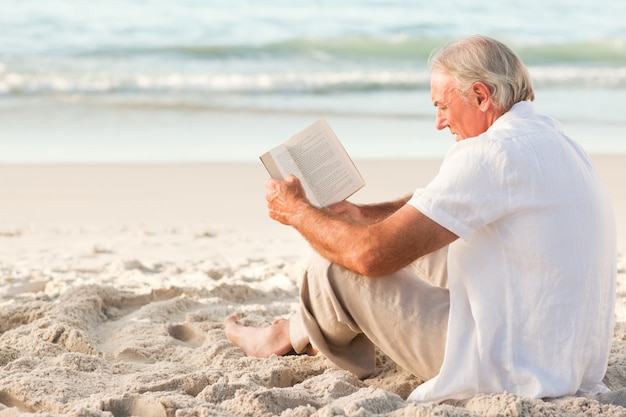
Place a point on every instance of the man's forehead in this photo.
(440, 87)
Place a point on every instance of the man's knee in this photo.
(432, 268)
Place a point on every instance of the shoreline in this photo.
(92, 132)
(219, 193)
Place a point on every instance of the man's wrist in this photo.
(299, 215)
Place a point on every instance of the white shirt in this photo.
(532, 277)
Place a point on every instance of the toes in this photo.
(231, 320)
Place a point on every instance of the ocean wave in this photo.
(14, 83)
(578, 76)
(396, 47)
(300, 66)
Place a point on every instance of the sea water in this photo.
(233, 60)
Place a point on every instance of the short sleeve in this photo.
(470, 190)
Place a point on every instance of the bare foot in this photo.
(260, 342)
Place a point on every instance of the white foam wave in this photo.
(34, 84)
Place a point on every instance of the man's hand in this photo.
(284, 198)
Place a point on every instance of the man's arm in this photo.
(377, 248)
(368, 213)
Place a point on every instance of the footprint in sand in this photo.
(187, 334)
(134, 406)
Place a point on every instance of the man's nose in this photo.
(440, 123)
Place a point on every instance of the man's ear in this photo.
(482, 95)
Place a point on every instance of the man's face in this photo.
(463, 117)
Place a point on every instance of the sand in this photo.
(115, 280)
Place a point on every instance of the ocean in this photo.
(198, 80)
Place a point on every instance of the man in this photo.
(516, 223)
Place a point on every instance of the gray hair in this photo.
(480, 58)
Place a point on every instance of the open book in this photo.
(317, 158)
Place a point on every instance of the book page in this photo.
(279, 163)
(317, 158)
(324, 163)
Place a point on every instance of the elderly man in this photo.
(497, 276)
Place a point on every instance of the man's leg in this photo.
(345, 315)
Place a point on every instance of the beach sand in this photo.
(116, 279)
